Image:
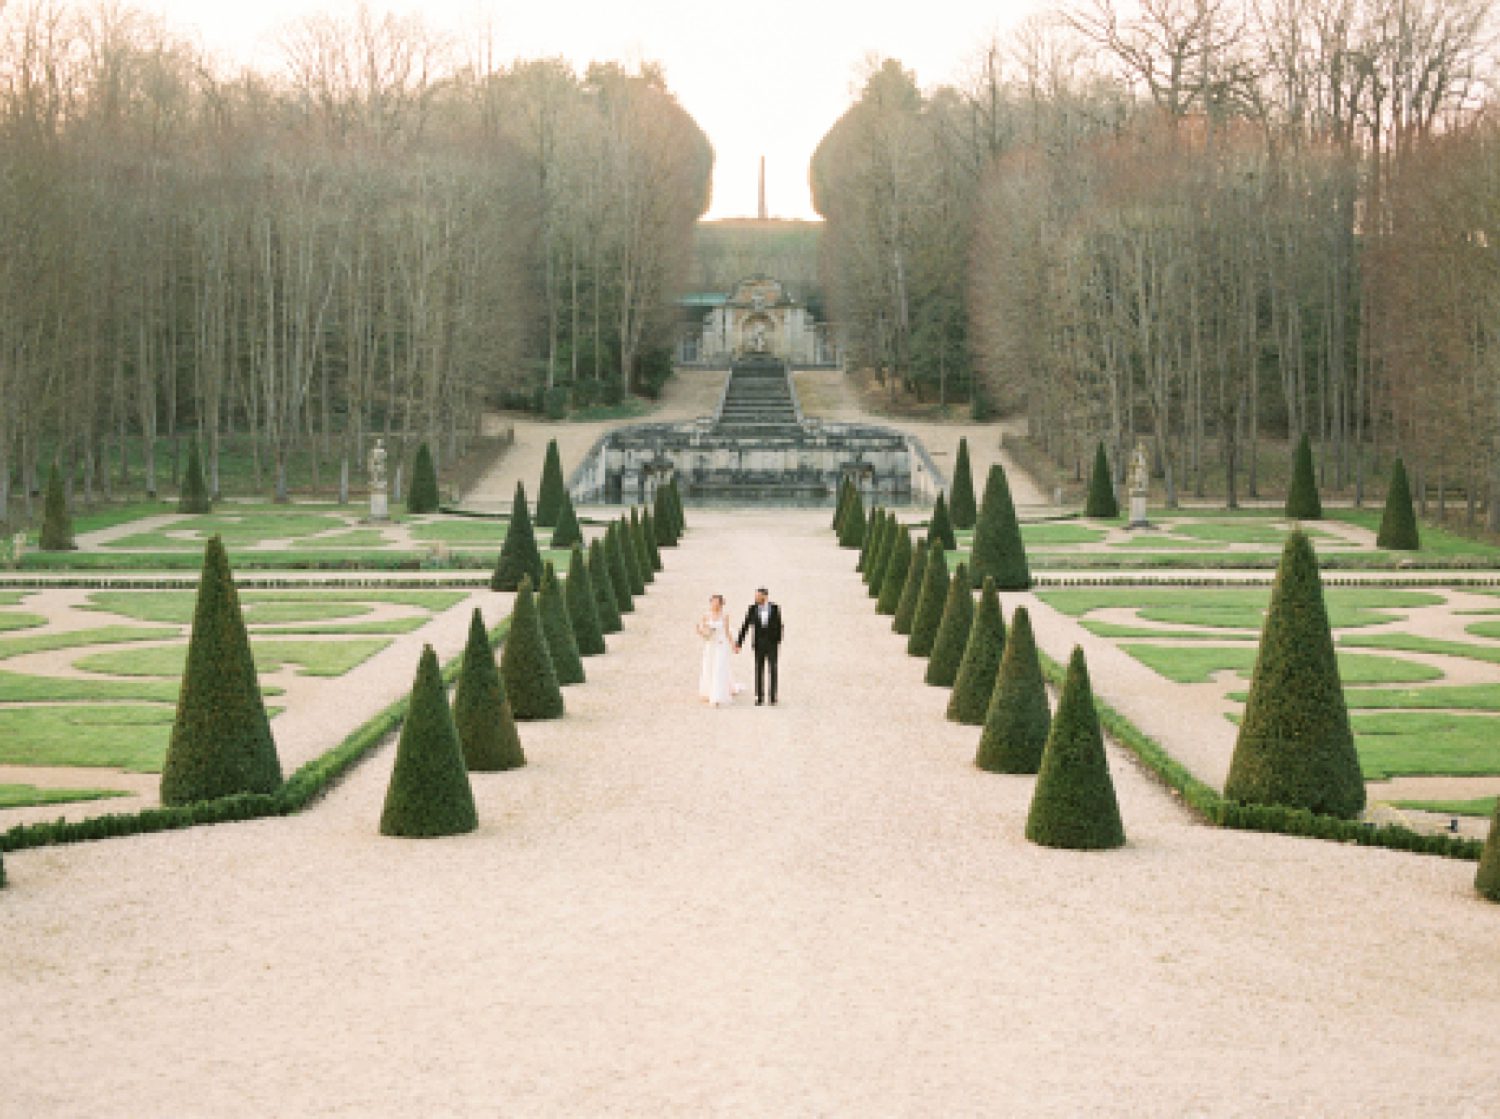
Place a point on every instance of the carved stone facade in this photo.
(759, 318)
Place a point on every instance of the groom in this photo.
(765, 618)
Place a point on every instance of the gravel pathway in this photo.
(821, 908)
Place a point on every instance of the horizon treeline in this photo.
(378, 237)
(1205, 223)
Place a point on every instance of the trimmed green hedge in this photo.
(1102, 503)
(1205, 802)
(549, 495)
(423, 495)
(1398, 521)
(961, 504)
(303, 788)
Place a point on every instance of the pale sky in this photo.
(765, 77)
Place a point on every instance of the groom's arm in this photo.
(740, 640)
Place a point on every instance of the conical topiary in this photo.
(1295, 746)
(998, 550)
(1017, 722)
(1074, 805)
(666, 537)
(422, 497)
(930, 602)
(953, 631)
(549, 495)
(221, 740)
(648, 529)
(911, 589)
(558, 627)
(619, 574)
(583, 606)
(970, 701)
(1398, 524)
(1487, 879)
(962, 509)
(429, 794)
(942, 527)
(631, 557)
(57, 524)
(604, 589)
(526, 663)
(852, 534)
(867, 539)
(194, 496)
(642, 553)
(841, 504)
(481, 714)
(1102, 502)
(880, 553)
(893, 581)
(1302, 501)
(519, 557)
(567, 533)
(679, 514)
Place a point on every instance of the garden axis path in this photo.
(821, 908)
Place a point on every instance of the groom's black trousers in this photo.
(765, 658)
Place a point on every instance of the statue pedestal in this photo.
(1138, 512)
(380, 509)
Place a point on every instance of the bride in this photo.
(716, 684)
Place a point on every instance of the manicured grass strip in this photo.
(238, 527)
(1224, 608)
(11, 598)
(1205, 802)
(14, 621)
(1199, 665)
(301, 789)
(1435, 541)
(77, 639)
(1049, 535)
(1412, 643)
(1114, 630)
(91, 735)
(1482, 806)
(17, 688)
(1478, 629)
(461, 531)
(1426, 745)
(29, 796)
(1458, 697)
(390, 626)
(278, 560)
(313, 658)
(1241, 532)
(176, 607)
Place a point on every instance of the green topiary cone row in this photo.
(998, 550)
(1074, 803)
(961, 504)
(1102, 502)
(429, 794)
(953, 631)
(519, 556)
(423, 495)
(981, 661)
(1018, 719)
(481, 713)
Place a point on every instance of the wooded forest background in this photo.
(1206, 223)
(379, 238)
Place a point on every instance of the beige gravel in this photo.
(818, 909)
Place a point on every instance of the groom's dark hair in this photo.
(762, 590)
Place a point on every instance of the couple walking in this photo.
(716, 684)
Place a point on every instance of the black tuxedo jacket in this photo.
(767, 636)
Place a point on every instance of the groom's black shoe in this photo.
(758, 701)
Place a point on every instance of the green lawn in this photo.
(1222, 608)
(1489, 629)
(1436, 542)
(269, 607)
(14, 620)
(1116, 631)
(1241, 532)
(1199, 665)
(1411, 643)
(239, 526)
(1436, 745)
(18, 688)
(130, 738)
(1458, 697)
(1482, 806)
(466, 530)
(12, 598)
(312, 658)
(105, 635)
(1047, 536)
(29, 796)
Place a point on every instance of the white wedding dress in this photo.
(716, 679)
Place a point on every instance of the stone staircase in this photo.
(758, 401)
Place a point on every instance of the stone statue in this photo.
(1140, 470)
(758, 338)
(380, 507)
(377, 465)
(1140, 486)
